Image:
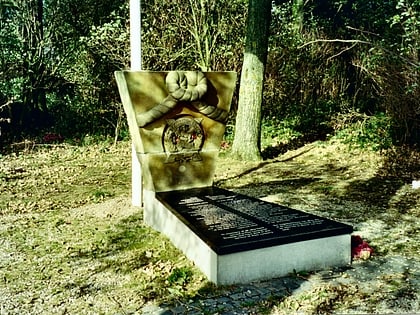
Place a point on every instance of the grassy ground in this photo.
(353, 187)
(71, 243)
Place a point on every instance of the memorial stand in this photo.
(177, 121)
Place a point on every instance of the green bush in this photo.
(275, 132)
(363, 131)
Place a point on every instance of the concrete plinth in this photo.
(237, 239)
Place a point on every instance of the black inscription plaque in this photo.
(229, 222)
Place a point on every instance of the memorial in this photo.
(234, 238)
(230, 222)
(177, 121)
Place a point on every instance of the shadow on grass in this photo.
(129, 245)
(377, 193)
(261, 165)
(260, 190)
(134, 250)
(376, 190)
(122, 247)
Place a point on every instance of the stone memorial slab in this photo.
(229, 222)
(234, 238)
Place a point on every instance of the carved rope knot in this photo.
(183, 86)
(186, 86)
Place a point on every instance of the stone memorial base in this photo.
(234, 238)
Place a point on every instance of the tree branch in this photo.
(341, 52)
(357, 41)
(361, 31)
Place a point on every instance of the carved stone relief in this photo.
(177, 121)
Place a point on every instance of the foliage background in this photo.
(343, 67)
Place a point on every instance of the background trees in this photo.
(330, 77)
(50, 77)
(343, 67)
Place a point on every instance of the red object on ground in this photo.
(360, 249)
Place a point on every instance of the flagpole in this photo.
(135, 65)
(135, 34)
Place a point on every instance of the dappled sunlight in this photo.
(80, 245)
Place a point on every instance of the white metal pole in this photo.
(136, 64)
(135, 34)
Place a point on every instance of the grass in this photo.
(70, 241)
(62, 177)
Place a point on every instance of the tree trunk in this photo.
(33, 94)
(247, 141)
